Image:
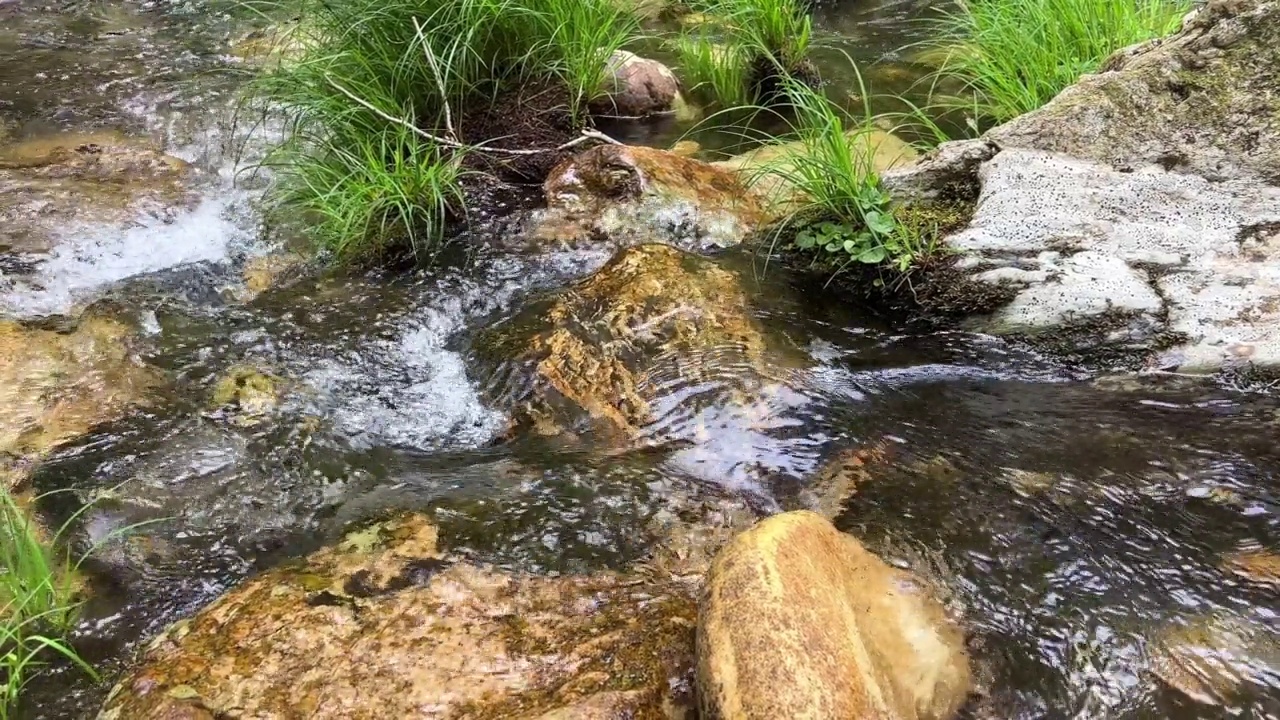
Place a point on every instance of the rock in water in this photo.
(55, 387)
(630, 195)
(384, 626)
(1137, 211)
(639, 86)
(594, 357)
(800, 621)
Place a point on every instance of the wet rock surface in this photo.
(597, 351)
(799, 620)
(51, 181)
(384, 625)
(56, 386)
(1137, 211)
(625, 195)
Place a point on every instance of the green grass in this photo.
(842, 216)
(1013, 56)
(38, 601)
(376, 103)
(756, 42)
(714, 71)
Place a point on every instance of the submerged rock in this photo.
(1213, 659)
(590, 358)
(247, 393)
(1139, 210)
(100, 177)
(799, 620)
(629, 195)
(1255, 565)
(56, 386)
(637, 86)
(382, 625)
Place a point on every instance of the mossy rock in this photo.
(384, 625)
(247, 392)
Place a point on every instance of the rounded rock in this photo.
(798, 620)
(637, 87)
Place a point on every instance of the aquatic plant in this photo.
(383, 98)
(38, 603)
(770, 39)
(716, 71)
(1013, 56)
(841, 214)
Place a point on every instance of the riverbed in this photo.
(1087, 525)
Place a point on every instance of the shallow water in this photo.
(1075, 521)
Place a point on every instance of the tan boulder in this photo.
(56, 386)
(800, 621)
(384, 626)
(632, 195)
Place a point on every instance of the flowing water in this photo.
(1084, 525)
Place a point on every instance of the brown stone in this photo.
(594, 346)
(56, 386)
(800, 621)
(383, 626)
(637, 87)
(632, 195)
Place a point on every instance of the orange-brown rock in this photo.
(593, 348)
(636, 194)
(383, 626)
(799, 620)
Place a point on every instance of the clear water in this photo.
(1075, 520)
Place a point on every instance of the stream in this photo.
(1083, 523)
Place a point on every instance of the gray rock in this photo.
(1139, 206)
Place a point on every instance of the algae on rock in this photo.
(384, 625)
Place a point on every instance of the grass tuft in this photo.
(757, 43)
(377, 98)
(842, 216)
(39, 603)
(1013, 56)
(715, 71)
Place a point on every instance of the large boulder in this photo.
(637, 86)
(383, 625)
(56, 386)
(1139, 210)
(630, 194)
(591, 358)
(800, 621)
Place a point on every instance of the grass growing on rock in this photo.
(385, 103)
(840, 215)
(1008, 57)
